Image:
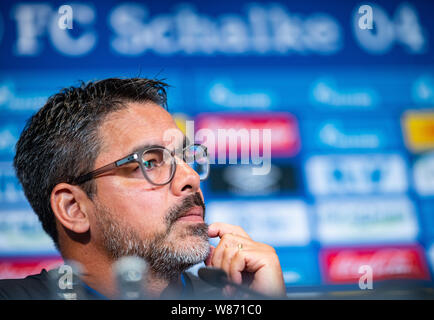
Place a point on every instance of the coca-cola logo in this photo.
(283, 126)
(386, 263)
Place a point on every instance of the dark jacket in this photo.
(45, 286)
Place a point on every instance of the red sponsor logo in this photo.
(342, 265)
(285, 139)
(18, 268)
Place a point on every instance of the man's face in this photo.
(134, 217)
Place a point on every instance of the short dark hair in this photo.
(60, 141)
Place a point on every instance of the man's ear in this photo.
(71, 206)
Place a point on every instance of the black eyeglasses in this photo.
(158, 164)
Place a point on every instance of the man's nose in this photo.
(186, 180)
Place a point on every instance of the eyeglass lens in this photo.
(158, 164)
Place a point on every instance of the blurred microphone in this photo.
(218, 278)
(130, 273)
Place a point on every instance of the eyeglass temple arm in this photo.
(108, 167)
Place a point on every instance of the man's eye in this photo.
(150, 164)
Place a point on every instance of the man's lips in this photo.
(194, 214)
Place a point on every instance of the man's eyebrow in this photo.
(145, 146)
(186, 142)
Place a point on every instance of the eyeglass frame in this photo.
(135, 157)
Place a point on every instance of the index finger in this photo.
(219, 229)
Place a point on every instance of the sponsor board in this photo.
(418, 129)
(223, 93)
(235, 29)
(299, 266)
(21, 267)
(22, 93)
(423, 89)
(243, 90)
(326, 92)
(21, 232)
(340, 92)
(356, 174)
(9, 134)
(430, 255)
(11, 191)
(351, 134)
(239, 180)
(427, 217)
(274, 222)
(423, 175)
(13, 99)
(285, 139)
(366, 220)
(341, 265)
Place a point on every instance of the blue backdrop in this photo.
(351, 180)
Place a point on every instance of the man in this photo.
(107, 180)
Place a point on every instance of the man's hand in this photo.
(237, 254)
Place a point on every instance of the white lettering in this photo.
(31, 22)
(64, 43)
